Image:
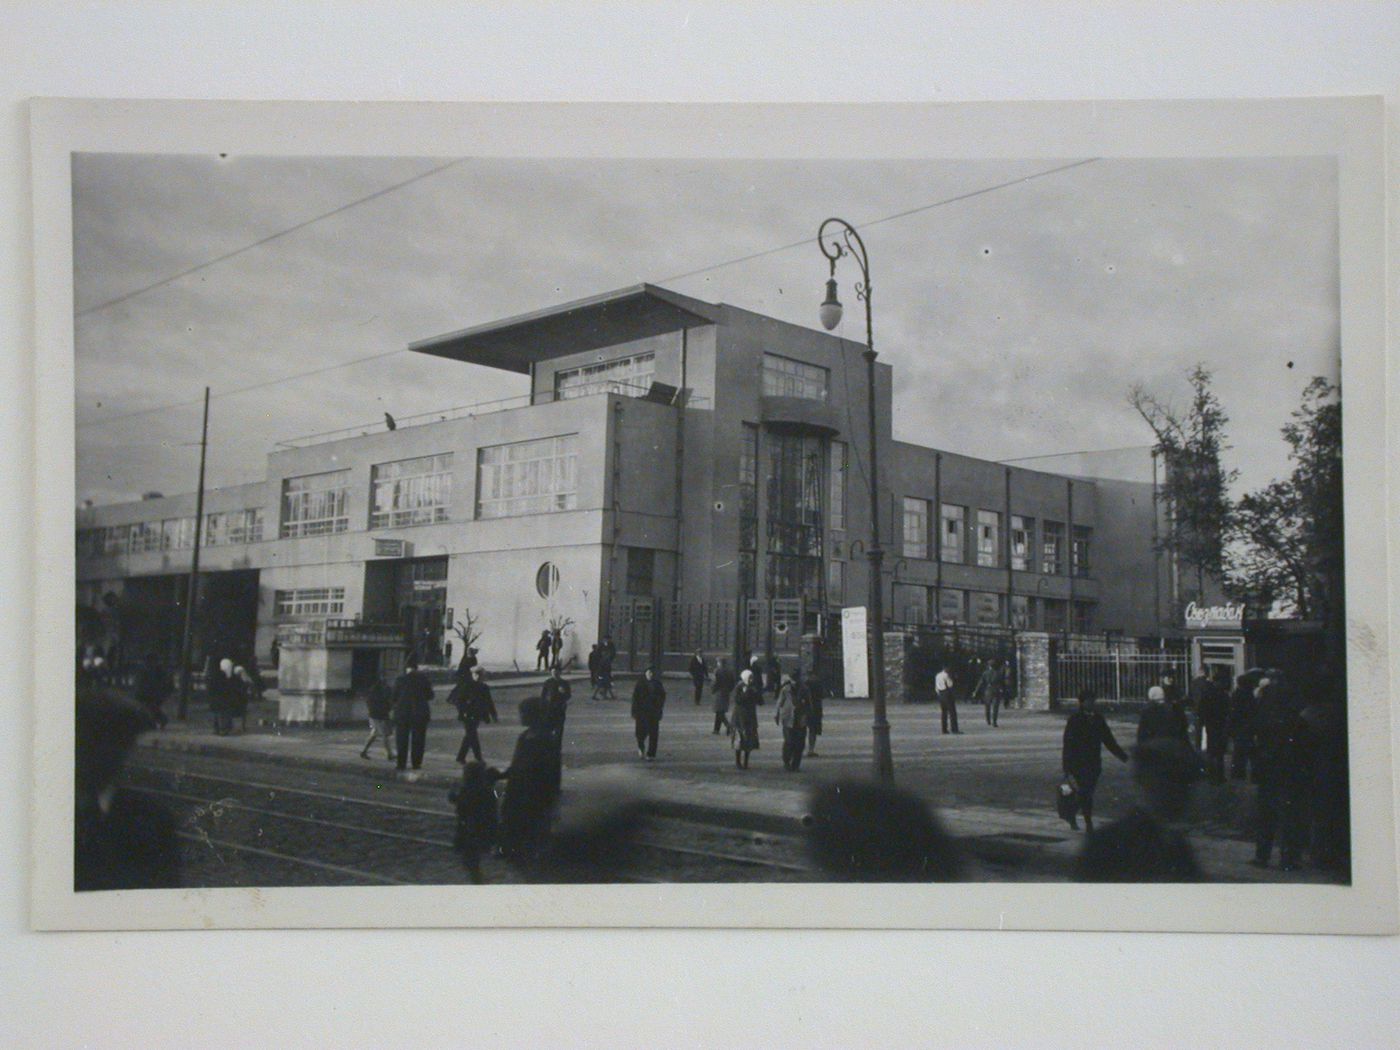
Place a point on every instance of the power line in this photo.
(259, 243)
(1077, 452)
(390, 353)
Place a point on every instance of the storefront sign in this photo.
(1229, 616)
(390, 548)
(854, 657)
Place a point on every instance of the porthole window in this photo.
(547, 580)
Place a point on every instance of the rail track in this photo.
(241, 830)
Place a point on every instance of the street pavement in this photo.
(993, 786)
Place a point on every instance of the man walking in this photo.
(379, 702)
(722, 689)
(699, 674)
(648, 701)
(555, 695)
(1081, 758)
(542, 650)
(991, 689)
(943, 686)
(413, 698)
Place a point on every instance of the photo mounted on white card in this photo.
(481, 515)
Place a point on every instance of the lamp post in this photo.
(838, 238)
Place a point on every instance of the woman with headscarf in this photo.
(531, 787)
(792, 717)
(743, 719)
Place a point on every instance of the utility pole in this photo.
(192, 595)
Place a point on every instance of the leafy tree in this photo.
(1287, 538)
(1195, 486)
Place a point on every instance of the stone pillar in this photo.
(896, 667)
(1033, 669)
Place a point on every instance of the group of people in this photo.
(230, 689)
(600, 668)
(1294, 752)
(797, 711)
(993, 689)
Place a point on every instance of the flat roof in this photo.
(516, 343)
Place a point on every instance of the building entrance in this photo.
(411, 592)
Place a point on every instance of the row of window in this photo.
(914, 603)
(309, 601)
(952, 539)
(172, 534)
(631, 376)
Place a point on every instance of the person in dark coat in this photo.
(152, 687)
(555, 695)
(945, 689)
(1146, 845)
(121, 840)
(722, 689)
(1211, 704)
(648, 701)
(602, 687)
(791, 715)
(379, 703)
(813, 688)
(757, 669)
(1284, 759)
(1241, 726)
(243, 690)
(469, 661)
(477, 826)
(1081, 757)
(991, 690)
(593, 670)
(413, 698)
(220, 687)
(472, 698)
(542, 650)
(1162, 718)
(699, 675)
(531, 785)
(743, 718)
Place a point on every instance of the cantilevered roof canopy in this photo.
(603, 320)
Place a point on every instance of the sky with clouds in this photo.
(1016, 320)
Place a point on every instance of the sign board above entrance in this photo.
(391, 548)
(1229, 616)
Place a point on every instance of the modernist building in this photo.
(671, 456)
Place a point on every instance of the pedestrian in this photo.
(743, 718)
(152, 687)
(531, 787)
(607, 648)
(477, 826)
(721, 690)
(472, 698)
(757, 669)
(542, 648)
(648, 701)
(468, 662)
(593, 670)
(1241, 726)
(791, 715)
(1162, 719)
(1212, 703)
(699, 674)
(1086, 735)
(555, 694)
(1195, 690)
(218, 688)
(413, 698)
(772, 675)
(379, 705)
(991, 689)
(1147, 845)
(1284, 762)
(943, 689)
(603, 689)
(814, 690)
(122, 840)
(556, 644)
(447, 652)
(243, 690)
(275, 652)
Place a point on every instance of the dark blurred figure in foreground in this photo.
(1241, 726)
(1163, 718)
(1147, 845)
(555, 695)
(1210, 705)
(868, 832)
(1086, 735)
(153, 686)
(121, 841)
(477, 823)
(1284, 760)
(531, 785)
(1326, 724)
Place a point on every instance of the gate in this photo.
(650, 631)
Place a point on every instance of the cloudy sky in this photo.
(1015, 319)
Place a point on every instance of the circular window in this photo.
(547, 579)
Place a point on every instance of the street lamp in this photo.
(837, 238)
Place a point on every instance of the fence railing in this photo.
(1114, 675)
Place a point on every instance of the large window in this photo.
(528, 477)
(952, 606)
(1022, 543)
(309, 601)
(116, 539)
(315, 505)
(794, 468)
(916, 514)
(837, 517)
(236, 526)
(1052, 548)
(1021, 612)
(988, 535)
(641, 571)
(953, 532)
(627, 375)
(1079, 553)
(911, 602)
(145, 536)
(748, 511)
(985, 608)
(410, 491)
(784, 377)
(836, 583)
(177, 534)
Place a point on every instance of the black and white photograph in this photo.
(752, 522)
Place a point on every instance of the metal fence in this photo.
(1115, 674)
